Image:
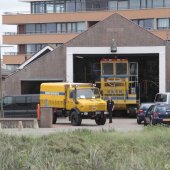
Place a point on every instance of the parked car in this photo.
(162, 98)
(142, 111)
(158, 113)
(20, 106)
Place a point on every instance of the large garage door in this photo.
(32, 86)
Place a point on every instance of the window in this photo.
(167, 3)
(134, 4)
(157, 3)
(38, 28)
(59, 8)
(145, 23)
(112, 4)
(74, 28)
(43, 28)
(51, 28)
(163, 23)
(8, 100)
(49, 7)
(30, 48)
(149, 3)
(30, 28)
(80, 26)
(69, 27)
(148, 23)
(58, 28)
(121, 68)
(143, 3)
(107, 69)
(70, 6)
(64, 28)
(39, 7)
(123, 4)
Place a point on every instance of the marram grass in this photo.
(87, 150)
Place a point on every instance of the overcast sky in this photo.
(10, 6)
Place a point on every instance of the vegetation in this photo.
(86, 150)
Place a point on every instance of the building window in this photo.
(59, 8)
(157, 3)
(30, 28)
(51, 28)
(145, 23)
(134, 4)
(70, 6)
(80, 26)
(143, 3)
(167, 3)
(149, 3)
(49, 7)
(123, 4)
(163, 23)
(112, 4)
(58, 28)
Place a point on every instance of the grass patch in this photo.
(87, 150)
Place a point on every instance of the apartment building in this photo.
(54, 22)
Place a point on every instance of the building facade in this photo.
(78, 59)
(55, 22)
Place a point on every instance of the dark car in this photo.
(158, 113)
(142, 111)
(20, 106)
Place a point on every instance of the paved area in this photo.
(63, 125)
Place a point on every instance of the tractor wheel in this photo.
(100, 119)
(75, 118)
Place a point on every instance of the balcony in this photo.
(163, 34)
(27, 18)
(14, 58)
(13, 38)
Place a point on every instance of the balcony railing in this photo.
(37, 32)
(29, 54)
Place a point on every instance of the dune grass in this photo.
(87, 150)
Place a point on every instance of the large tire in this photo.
(75, 118)
(100, 119)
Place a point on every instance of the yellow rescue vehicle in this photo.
(76, 100)
(119, 79)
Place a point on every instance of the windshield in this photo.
(86, 93)
(161, 98)
(163, 109)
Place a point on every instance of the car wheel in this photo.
(145, 122)
(138, 121)
(75, 118)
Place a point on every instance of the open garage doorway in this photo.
(86, 68)
(33, 86)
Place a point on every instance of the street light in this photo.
(1, 96)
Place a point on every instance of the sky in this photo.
(10, 6)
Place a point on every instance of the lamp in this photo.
(113, 47)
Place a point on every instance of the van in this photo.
(21, 106)
(162, 98)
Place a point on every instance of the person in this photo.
(110, 108)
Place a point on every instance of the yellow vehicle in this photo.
(75, 100)
(119, 79)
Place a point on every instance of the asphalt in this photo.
(63, 125)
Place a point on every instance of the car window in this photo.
(8, 100)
